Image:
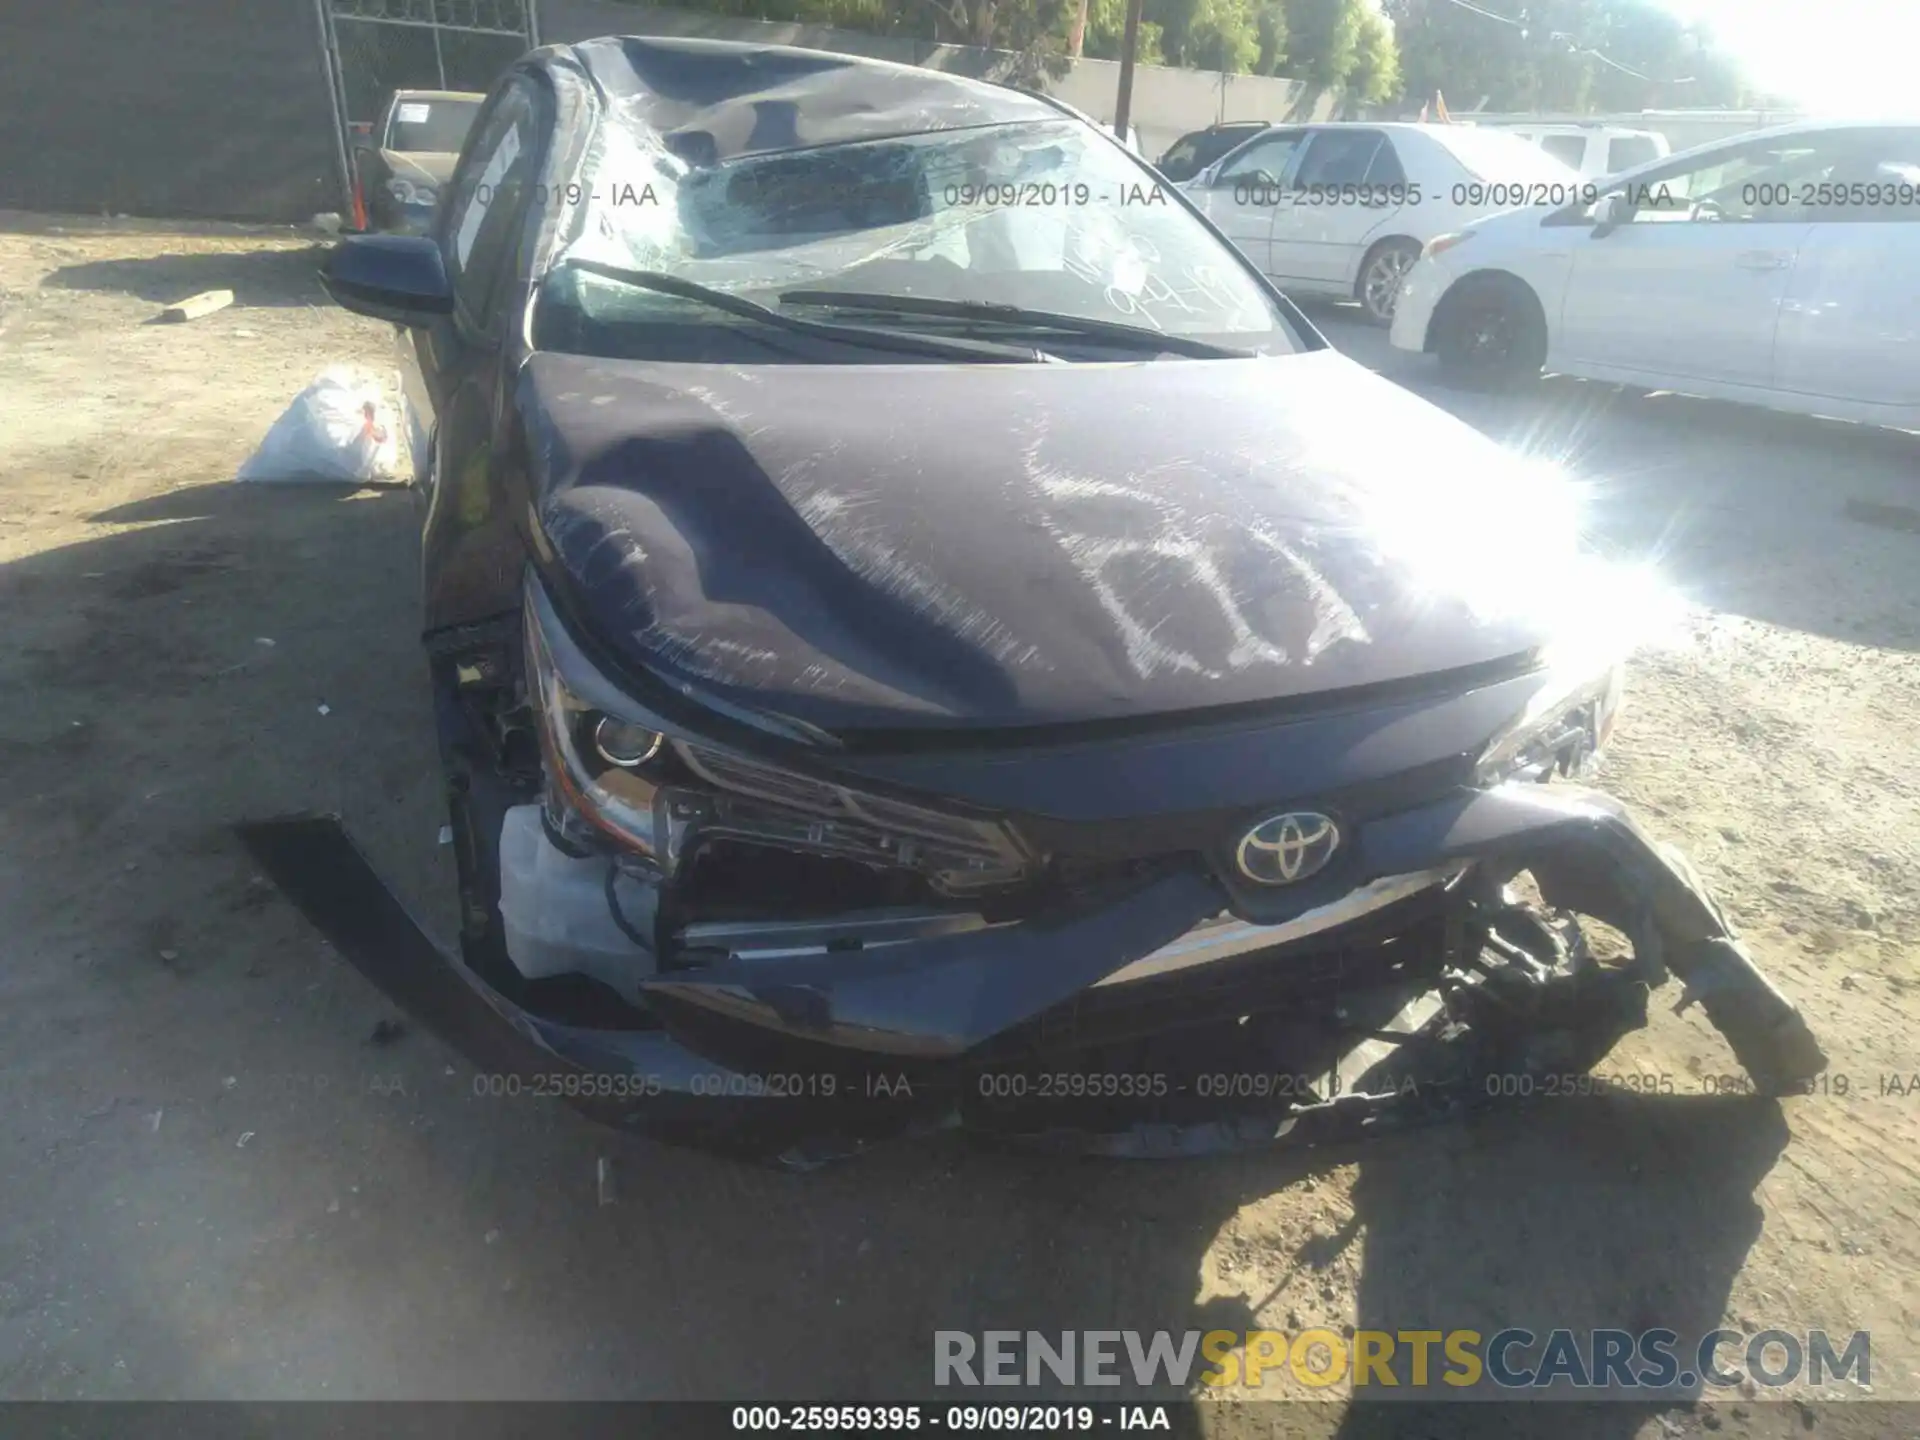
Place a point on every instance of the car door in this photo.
(459, 357)
(1241, 194)
(1690, 285)
(1330, 208)
(1850, 323)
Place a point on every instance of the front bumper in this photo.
(1011, 1030)
(1420, 294)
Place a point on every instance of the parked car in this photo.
(1193, 152)
(1344, 209)
(411, 155)
(1595, 149)
(903, 660)
(1780, 268)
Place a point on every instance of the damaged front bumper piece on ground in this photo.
(1150, 1023)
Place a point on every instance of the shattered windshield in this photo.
(992, 223)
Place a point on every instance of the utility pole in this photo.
(1129, 44)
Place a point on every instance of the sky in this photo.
(1844, 57)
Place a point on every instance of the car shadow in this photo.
(275, 276)
(1630, 1212)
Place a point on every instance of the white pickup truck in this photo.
(1594, 149)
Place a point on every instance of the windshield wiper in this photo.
(938, 347)
(1132, 336)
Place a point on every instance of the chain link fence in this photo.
(375, 47)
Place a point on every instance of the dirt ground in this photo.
(225, 1177)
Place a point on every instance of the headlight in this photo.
(621, 777)
(595, 748)
(407, 192)
(622, 743)
(1564, 726)
(1440, 244)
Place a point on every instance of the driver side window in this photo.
(1264, 162)
(1760, 183)
(1338, 157)
(486, 200)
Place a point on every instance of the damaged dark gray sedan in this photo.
(924, 634)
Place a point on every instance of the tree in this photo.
(1440, 52)
(1375, 76)
(1560, 55)
(1318, 41)
(1206, 34)
(1272, 28)
(1106, 28)
(1323, 40)
(1327, 43)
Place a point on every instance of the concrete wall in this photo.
(1166, 103)
(200, 108)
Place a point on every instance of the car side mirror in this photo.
(401, 278)
(1610, 214)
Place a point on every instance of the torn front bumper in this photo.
(1153, 1023)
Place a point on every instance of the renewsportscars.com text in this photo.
(1317, 1358)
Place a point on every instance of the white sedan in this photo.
(1344, 209)
(1779, 268)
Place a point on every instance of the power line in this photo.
(1503, 19)
(1572, 47)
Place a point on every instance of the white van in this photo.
(1595, 149)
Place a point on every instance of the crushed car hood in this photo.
(1012, 545)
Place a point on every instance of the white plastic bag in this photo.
(339, 430)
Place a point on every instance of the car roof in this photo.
(717, 100)
(1572, 127)
(1397, 127)
(1771, 132)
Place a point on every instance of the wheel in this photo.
(1490, 331)
(1381, 272)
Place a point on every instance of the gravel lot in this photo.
(226, 1177)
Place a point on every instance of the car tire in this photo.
(1381, 272)
(1490, 333)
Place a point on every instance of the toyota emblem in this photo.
(1286, 848)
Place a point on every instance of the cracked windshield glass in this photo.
(1048, 219)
